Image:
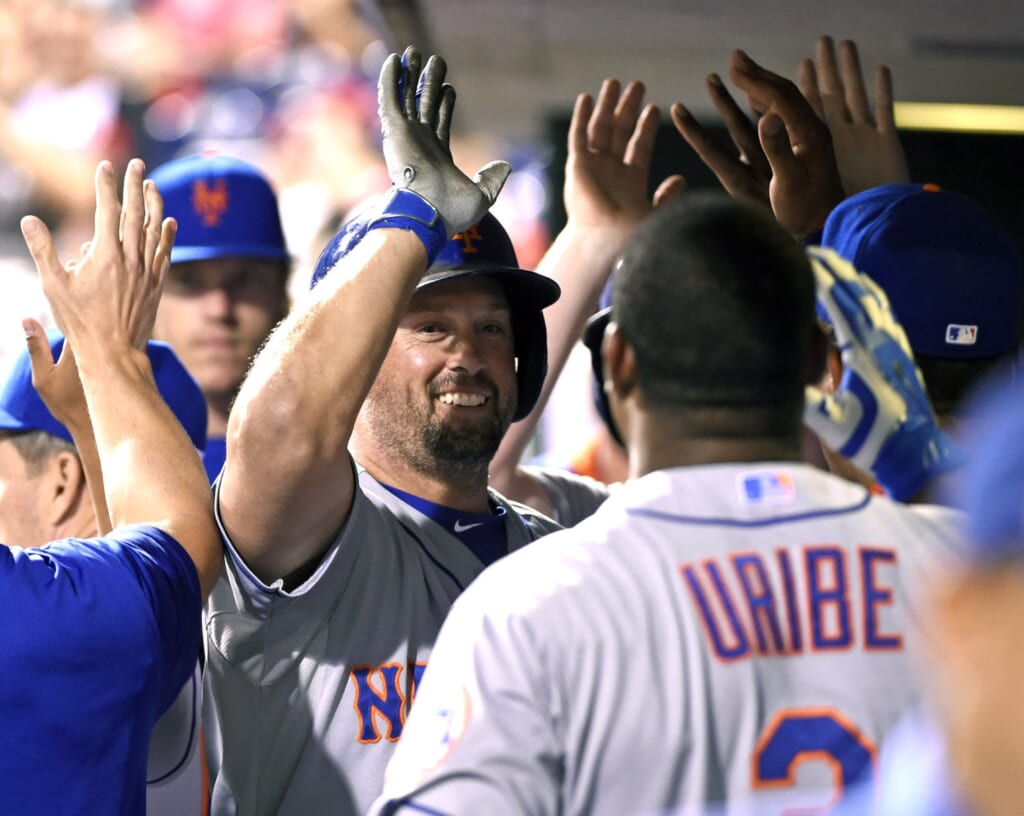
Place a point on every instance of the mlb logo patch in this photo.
(767, 488)
(959, 335)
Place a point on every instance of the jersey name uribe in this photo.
(732, 636)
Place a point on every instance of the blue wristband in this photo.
(404, 209)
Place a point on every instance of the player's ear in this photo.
(833, 369)
(619, 362)
(65, 487)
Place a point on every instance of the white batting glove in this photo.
(880, 418)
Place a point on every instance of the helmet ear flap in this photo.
(593, 337)
(531, 349)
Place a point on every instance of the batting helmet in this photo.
(593, 337)
(484, 249)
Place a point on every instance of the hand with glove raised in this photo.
(880, 417)
(431, 197)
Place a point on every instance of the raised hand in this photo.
(867, 146)
(880, 417)
(804, 183)
(415, 113)
(746, 175)
(57, 383)
(109, 295)
(610, 148)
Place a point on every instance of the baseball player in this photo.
(952, 273)
(415, 349)
(45, 498)
(731, 624)
(103, 631)
(227, 287)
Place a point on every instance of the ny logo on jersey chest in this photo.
(382, 699)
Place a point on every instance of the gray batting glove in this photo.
(415, 114)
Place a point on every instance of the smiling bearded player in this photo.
(418, 345)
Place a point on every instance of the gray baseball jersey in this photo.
(174, 773)
(306, 691)
(573, 497)
(711, 633)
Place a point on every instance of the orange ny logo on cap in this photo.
(210, 202)
(469, 239)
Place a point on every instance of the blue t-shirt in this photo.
(213, 456)
(97, 637)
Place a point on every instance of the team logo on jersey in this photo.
(383, 698)
(767, 488)
(470, 238)
(210, 203)
(959, 335)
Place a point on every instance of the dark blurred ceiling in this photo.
(513, 61)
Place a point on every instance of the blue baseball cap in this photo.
(22, 409)
(225, 208)
(951, 271)
(990, 489)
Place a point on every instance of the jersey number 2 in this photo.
(798, 735)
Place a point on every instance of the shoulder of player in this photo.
(562, 479)
(538, 523)
(121, 545)
(552, 567)
(939, 520)
(573, 497)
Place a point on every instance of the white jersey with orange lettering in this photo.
(732, 637)
(307, 690)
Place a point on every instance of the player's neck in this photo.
(662, 453)
(464, 490)
(81, 524)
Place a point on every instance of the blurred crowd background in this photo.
(289, 85)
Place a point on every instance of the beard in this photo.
(451, 449)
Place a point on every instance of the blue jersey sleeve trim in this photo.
(408, 804)
(731, 522)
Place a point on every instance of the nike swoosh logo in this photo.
(461, 528)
